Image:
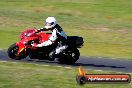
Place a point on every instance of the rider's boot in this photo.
(52, 56)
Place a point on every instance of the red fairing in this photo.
(30, 32)
(31, 35)
(43, 37)
(21, 47)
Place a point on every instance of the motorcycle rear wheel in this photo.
(70, 56)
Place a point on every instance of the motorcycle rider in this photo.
(57, 35)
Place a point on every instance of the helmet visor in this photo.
(49, 24)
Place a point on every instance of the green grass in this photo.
(25, 75)
(105, 24)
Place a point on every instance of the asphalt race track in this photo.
(87, 62)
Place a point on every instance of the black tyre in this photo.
(70, 56)
(12, 52)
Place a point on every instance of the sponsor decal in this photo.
(83, 78)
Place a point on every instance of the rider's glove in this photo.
(37, 31)
(34, 45)
(41, 29)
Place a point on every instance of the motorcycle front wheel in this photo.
(12, 52)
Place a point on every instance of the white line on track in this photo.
(59, 66)
(99, 70)
(45, 65)
(3, 61)
(41, 65)
(66, 67)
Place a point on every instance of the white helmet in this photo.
(50, 22)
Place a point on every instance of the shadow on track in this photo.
(94, 65)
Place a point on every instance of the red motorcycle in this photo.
(23, 48)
